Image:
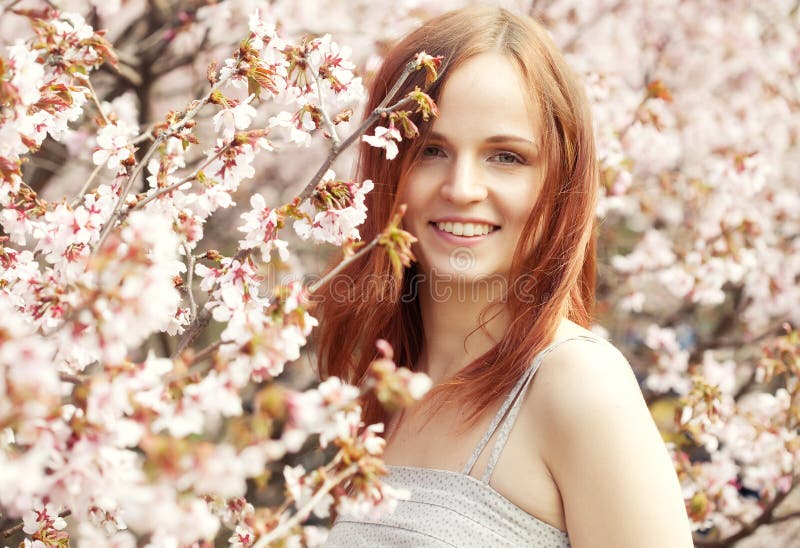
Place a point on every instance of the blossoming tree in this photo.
(137, 361)
(160, 446)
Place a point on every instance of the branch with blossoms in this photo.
(138, 438)
(324, 194)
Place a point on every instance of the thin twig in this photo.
(786, 517)
(115, 215)
(178, 184)
(74, 379)
(192, 331)
(144, 136)
(207, 351)
(96, 99)
(10, 5)
(128, 58)
(11, 530)
(159, 71)
(87, 184)
(153, 39)
(379, 111)
(123, 71)
(189, 280)
(325, 116)
(197, 368)
(302, 513)
(339, 267)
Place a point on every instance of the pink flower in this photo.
(261, 226)
(113, 145)
(230, 119)
(43, 516)
(334, 226)
(385, 137)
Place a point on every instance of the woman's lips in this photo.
(461, 240)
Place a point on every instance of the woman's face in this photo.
(474, 186)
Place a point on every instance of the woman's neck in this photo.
(450, 320)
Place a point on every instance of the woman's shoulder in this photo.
(579, 353)
(584, 373)
(603, 449)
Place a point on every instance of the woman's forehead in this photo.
(487, 95)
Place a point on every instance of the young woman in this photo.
(536, 432)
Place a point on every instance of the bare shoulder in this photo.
(582, 385)
(600, 443)
(592, 372)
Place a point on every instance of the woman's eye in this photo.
(508, 158)
(431, 152)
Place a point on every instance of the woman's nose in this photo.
(464, 183)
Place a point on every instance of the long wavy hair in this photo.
(551, 279)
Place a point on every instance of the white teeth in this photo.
(465, 229)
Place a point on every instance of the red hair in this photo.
(556, 276)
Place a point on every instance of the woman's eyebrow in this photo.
(510, 138)
(515, 139)
(433, 135)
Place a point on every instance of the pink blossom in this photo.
(264, 32)
(672, 364)
(43, 516)
(374, 504)
(242, 537)
(334, 226)
(261, 226)
(230, 119)
(113, 147)
(385, 137)
(28, 74)
(300, 125)
(89, 535)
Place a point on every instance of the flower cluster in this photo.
(138, 443)
(334, 212)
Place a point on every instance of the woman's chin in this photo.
(447, 277)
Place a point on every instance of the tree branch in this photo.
(95, 99)
(188, 178)
(766, 518)
(87, 184)
(325, 116)
(117, 213)
(379, 111)
(18, 527)
(302, 513)
(190, 279)
(339, 267)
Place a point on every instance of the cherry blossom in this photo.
(235, 118)
(261, 225)
(112, 142)
(338, 221)
(386, 138)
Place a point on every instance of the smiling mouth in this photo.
(465, 230)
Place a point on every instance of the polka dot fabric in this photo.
(448, 508)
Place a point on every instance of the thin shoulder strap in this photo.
(514, 398)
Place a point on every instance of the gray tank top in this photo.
(448, 508)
